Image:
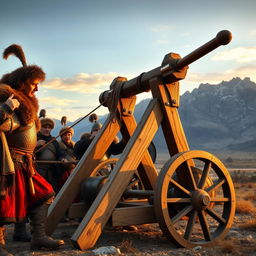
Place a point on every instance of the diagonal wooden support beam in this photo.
(97, 216)
(172, 128)
(83, 170)
(146, 169)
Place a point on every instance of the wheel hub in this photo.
(200, 199)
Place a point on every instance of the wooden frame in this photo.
(162, 110)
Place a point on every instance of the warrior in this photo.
(23, 191)
(81, 145)
(67, 146)
(50, 152)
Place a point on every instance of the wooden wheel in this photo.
(92, 185)
(105, 167)
(205, 208)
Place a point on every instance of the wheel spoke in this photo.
(178, 200)
(204, 225)
(220, 199)
(194, 199)
(191, 176)
(182, 213)
(206, 170)
(215, 186)
(176, 184)
(190, 225)
(216, 216)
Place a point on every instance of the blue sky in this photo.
(83, 45)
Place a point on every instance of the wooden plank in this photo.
(94, 221)
(134, 215)
(172, 128)
(78, 210)
(83, 170)
(146, 168)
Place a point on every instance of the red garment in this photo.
(62, 181)
(63, 178)
(16, 204)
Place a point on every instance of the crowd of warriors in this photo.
(34, 164)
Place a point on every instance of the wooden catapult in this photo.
(192, 197)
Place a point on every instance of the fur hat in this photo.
(18, 78)
(65, 130)
(93, 118)
(96, 126)
(47, 121)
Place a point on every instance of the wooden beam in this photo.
(97, 216)
(83, 170)
(134, 215)
(172, 128)
(146, 168)
(78, 210)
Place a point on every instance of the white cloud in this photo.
(240, 55)
(56, 101)
(82, 82)
(216, 77)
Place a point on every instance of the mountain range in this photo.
(219, 117)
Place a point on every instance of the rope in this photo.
(115, 99)
(55, 138)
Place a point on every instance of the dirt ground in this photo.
(149, 240)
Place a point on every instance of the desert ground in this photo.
(148, 239)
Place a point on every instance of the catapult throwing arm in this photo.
(222, 38)
(169, 66)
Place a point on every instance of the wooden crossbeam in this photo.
(133, 215)
(97, 216)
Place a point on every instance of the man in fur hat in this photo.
(22, 190)
(50, 152)
(67, 146)
(81, 146)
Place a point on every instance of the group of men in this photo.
(28, 179)
(54, 160)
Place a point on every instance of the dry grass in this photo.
(250, 225)
(245, 207)
(239, 176)
(228, 247)
(127, 247)
(233, 247)
(250, 196)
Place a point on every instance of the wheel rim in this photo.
(209, 209)
(105, 167)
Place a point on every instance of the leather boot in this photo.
(3, 251)
(20, 232)
(39, 239)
